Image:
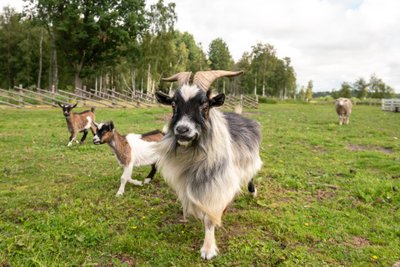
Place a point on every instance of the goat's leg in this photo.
(85, 132)
(340, 119)
(150, 176)
(209, 249)
(252, 188)
(72, 138)
(126, 177)
(347, 119)
(93, 129)
(184, 216)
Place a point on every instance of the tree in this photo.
(302, 94)
(19, 50)
(361, 88)
(197, 59)
(378, 89)
(220, 58)
(345, 90)
(89, 33)
(309, 91)
(247, 79)
(263, 67)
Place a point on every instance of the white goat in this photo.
(131, 150)
(207, 156)
(343, 109)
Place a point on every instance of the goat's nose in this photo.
(182, 129)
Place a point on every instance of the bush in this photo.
(266, 100)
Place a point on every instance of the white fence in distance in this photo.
(391, 105)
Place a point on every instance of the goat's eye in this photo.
(173, 105)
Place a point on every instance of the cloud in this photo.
(328, 41)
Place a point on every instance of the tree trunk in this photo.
(78, 80)
(40, 58)
(53, 69)
(55, 77)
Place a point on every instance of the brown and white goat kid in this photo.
(132, 150)
(78, 122)
(206, 156)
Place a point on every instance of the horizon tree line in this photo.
(126, 46)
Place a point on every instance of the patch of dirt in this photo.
(322, 194)
(358, 241)
(354, 147)
(123, 259)
(319, 149)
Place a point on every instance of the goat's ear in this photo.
(74, 105)
(163, 98)
(217, 100)
(111, 125)
(61, 105)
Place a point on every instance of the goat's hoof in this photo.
(209, 252)
(69, 144)
(147, 180)
(137, 182)
(184, 220)
(254, 193)
(119, 194)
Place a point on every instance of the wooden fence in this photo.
(391, 105)
(20, 97)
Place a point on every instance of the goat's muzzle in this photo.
(96, 140)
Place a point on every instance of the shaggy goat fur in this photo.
(207, 156)
(132, 150)
(78, 122)
(343, 109)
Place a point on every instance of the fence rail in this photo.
(391, 105)
(20, 97)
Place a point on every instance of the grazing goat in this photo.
(131, 150)
(206, 156)
(343, 109)
(78, 122)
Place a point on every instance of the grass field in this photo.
(328, 195)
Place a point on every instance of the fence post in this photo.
(20, 98)
(113, 96)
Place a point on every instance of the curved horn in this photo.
(181, 77)
(203, 79)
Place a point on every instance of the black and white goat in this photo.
(78, 122)
(132, 150)
(207, 156)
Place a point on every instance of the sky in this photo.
(328, 41)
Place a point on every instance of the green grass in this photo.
(328, 195)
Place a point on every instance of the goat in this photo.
(343, 109)
(131, 150)
(206, 156)
(78, 122)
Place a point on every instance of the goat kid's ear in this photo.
(61, 105)
(111, 126)
(217, 100)
(163, 98)
(74, 105)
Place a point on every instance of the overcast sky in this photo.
(329, 41)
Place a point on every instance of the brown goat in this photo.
(78, 122)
